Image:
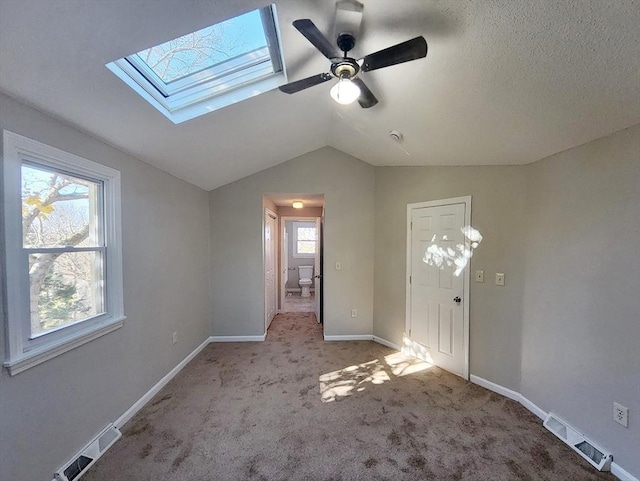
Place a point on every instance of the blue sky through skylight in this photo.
(205, 48)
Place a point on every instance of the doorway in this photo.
(298, 254)
(437, 305)
(301, 271)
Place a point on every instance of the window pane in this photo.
(58, 210)
(307, 233)
(206, 48)
(64, 288)
(306, 247)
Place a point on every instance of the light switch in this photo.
(479, 276)
(338, 266)
(499, 278)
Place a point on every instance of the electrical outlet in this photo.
(621, 414)
(479, 276)
(354, 312)
(174, 337)
(499, 278)
(338, 266)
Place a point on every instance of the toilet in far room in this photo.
(305, 276)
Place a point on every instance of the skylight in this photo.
(208, 69)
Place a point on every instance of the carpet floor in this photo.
(297, 408)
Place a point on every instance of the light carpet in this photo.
(297, 408)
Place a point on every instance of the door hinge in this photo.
(410, 279)
(411, 228)
(409, 332)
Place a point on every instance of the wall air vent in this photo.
(585, 448)
(81, 462)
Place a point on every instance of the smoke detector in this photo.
(396, 135)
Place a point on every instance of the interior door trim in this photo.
(466, 200)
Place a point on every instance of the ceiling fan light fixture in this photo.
(345, 91)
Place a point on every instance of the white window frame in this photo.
(203, 92)
(23, 352)
(295, 252)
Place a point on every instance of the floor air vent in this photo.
(82, 461)
(585, 448)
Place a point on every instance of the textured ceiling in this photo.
(504, 82)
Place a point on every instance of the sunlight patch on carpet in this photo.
(344, 382)
(402, 365)
(415, 349)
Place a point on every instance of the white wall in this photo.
(50, 411)
(497, 212)
(581, 310)
(237, 281)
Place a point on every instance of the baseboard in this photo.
(362, 337)
(622, 474)
(532, 407)
(349, 337)
(616, 470)
(384, 342)
(491, 386)
(238, 338)
(139, 404)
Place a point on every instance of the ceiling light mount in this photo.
(346, 42)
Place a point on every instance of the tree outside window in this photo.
(61, 234)
(305, 239)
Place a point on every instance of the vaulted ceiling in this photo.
(504, 81)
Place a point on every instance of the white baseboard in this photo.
(384, 342)
(349, 337)
(616, 470)
(491, 386)
(622, 474)
(238, 338)
(532, 407)
(139, 404)
(362, 337)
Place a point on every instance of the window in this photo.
(304, 239)
(208, 69)
(63, 252)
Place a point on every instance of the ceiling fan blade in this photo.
(305, 83)
(366, 99)
(403, 52)
(307, 28)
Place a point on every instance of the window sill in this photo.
(33, 358)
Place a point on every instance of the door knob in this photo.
(457, 299)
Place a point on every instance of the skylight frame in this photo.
(206, 90)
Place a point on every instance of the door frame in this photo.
(466, 200)
(283, 219)
(274, 247)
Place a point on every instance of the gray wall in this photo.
(50, 411)
(497, 210)
(564, 330)
(581, 310)
(237, 283)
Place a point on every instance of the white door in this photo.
(270, 292)
(317, 269)
(437, 297)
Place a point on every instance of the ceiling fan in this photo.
(347, 70)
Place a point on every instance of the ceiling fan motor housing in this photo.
(345, 68)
